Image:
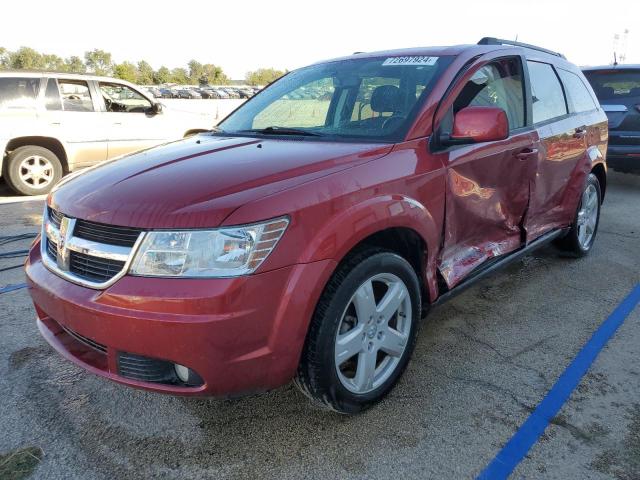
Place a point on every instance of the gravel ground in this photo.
(483, 361)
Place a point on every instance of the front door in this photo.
(487, 192)
(132, 123)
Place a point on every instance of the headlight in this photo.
(223, 252)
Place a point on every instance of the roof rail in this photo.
(500, 41)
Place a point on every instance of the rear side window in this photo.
(578, 96)
(76, 96)
(546, 91)
(615, 84)
(18, 92)
(498, 84)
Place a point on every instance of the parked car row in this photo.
(203, 92)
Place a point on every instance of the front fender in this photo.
(342, 232)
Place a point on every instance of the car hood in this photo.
(197, 182)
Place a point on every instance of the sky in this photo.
(243, 36)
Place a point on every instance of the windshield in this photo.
(372, 99)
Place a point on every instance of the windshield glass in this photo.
(372, 99)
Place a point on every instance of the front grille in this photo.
(110, 234)
(55, 216)
(85, 340)
(145, 369)
(52, 249)
(94, 268)
(100, 232)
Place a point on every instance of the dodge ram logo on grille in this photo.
(66, 230)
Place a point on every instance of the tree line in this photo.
(99, 62)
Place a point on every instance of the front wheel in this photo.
(582, 234)
(362, 333)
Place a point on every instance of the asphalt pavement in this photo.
(482, 364)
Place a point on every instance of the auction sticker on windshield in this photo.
(419, 60)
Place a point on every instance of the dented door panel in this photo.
(486, 200)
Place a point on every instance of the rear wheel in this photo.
(583, 231)
(362, 333)
(33, 170)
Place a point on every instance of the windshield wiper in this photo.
(282, 131)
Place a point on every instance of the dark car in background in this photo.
(618, 89)
(166, 93)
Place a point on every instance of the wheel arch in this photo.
(394, 222)
(49, 143)
(193, 131)
(600, 172)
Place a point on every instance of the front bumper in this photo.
(240, 335)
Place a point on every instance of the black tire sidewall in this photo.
(328, 379)
(13, 164)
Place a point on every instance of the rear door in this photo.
(563, 164)
(487, 183)
(72, 115)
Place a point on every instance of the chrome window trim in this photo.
(87, 247)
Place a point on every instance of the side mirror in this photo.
(156, 108)
(478, 124)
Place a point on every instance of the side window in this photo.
(577, 94)
(546, 92)
(75, 95)
(52, 95)
(498, 84)
(306, 106)
(121, 98)
(18, 92)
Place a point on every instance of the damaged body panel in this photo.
(486, 200)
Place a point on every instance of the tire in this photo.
(343, 383)
(44, 165)
(582, 235)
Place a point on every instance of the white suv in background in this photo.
(54, 123)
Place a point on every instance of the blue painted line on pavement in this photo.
(505, 462)
(11, 288)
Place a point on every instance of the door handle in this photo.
(527, 153)
(118, 124)
(580, 132)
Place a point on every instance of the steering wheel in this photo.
(393, 122)
(108, 103)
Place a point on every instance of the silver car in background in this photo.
(54, 123)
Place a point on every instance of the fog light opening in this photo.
(187, 376)
(182, 372)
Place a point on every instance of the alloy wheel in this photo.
(588, 216)
(36, 171)
(373, 333)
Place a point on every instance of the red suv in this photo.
(308, 235)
